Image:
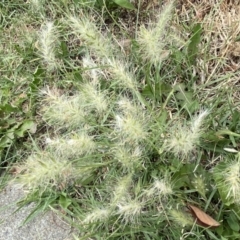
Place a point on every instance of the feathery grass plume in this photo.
(63, 111)
(98, 214)
(231, 181)
(130, 128)
(94, 98)
(43, 169)
(48, 39)
(199, 183)
(184, 138)
(130, 158)
(73, 146)
(181, 218)
(121, 189)
(123, 77)
(152, 40)
(160, 188)
(91, 70)
(37, 5)
(131, 125)
(89, 33)
(129, 210)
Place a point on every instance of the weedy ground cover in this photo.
(120, 114)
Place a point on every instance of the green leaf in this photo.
(6, 140)
(185, 98)
(64, 201)
(194, 41)
(28, 125)
(156, 92)
(64, 49)
(78, 77)
(8, 108)
(233, 222)
(124, 4)
(227, 132)
(237, 39)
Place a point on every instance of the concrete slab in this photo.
(47, 226)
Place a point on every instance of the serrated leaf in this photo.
(124, 4)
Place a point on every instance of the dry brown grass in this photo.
(218, 62)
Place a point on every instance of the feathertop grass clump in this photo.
(111, 125)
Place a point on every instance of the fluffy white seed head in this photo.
(128, 157)
(99, 45)
(131, 124)
(130, 128)
(63, 111)
(43, 169)
(92, 71)
(123, 77)
(198, 120)
(181, 218)
(232, 180)
(121, 190)
(160, 188)
(129, 210)
(93, 98)
(183, 138)
(72, 146)
(152, 39)
(200, 185)
(99, 214)
(48, 40)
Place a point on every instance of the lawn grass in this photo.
(120, 115)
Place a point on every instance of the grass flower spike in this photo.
(128, 157)
(181, 218)
(151, 40)
(120, 191)
(63, 111)
(122, 76)
(99, 214)
(43, 170)
(232, 180)
(131, 124)
(129, 210)
(184, 137)
(160, 188)
(99, 45)
(71, 147)
(227, 179)
(48, 38)
(93, 98)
